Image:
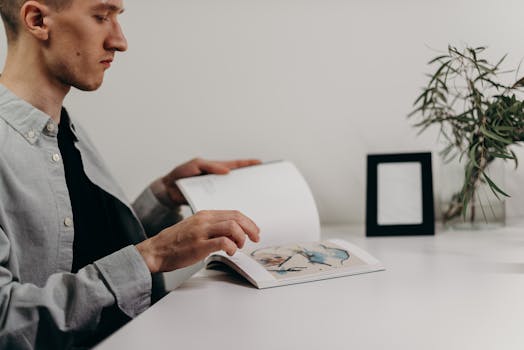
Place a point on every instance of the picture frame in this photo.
(399, 195)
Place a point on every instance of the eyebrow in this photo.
(109, 7)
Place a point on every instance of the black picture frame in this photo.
(427, 227)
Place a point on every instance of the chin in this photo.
(88, 86)
(87, 83)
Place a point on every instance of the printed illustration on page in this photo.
(304, 259)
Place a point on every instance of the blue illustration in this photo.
(302, 258)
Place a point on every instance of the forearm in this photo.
(70, 304)
(28, 312)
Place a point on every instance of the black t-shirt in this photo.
(98, 232)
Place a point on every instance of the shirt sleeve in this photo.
(154, 215)
(68, 304)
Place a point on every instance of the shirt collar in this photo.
(27, 120)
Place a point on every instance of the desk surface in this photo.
(454, 290)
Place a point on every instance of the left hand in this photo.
(196, 167)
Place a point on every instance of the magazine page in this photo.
(274, 195)
(300, 262)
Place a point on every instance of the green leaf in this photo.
(438, 58)
(471, 155)
(502, 155)
(494, 84)
(465, 113)
(421, 96)
(493, 186)
(469, 170)
(504, 128)
(515, 159)
(515, 107)
(486, 69)
(519, 83)
(472, 52)
(494, 136)
(423, 129)
(500, 61)
(445, 153)
(439, 70)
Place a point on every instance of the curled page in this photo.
(274, 195)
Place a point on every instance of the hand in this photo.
(194, 238)
(196, 167)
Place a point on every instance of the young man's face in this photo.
(83, 39)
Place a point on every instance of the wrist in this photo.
(159, 189)
(147, 251)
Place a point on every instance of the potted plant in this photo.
(479, 118)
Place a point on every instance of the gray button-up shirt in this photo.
(42, 304)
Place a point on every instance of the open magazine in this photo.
(277, 198)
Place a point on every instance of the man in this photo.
(75, 263)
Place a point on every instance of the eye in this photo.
(101, 18)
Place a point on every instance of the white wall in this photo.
(318, 82)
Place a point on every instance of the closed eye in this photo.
(101, 18)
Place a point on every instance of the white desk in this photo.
(455, 290)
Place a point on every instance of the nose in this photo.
(116, 41)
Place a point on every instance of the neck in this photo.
(27, 78)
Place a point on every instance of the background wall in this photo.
(319, 82)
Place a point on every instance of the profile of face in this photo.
(82, 42)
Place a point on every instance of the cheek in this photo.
(65, 51)
(75, 40)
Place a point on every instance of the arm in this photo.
(68, 304)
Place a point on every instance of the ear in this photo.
(32, 16)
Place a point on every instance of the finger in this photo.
(188, 169)
(219, 243)
(240, 163)
(211, 167)
(230, 229)
(248, 226)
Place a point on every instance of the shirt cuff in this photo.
(128, 278)
(148, 207)
(159, 189)
(153, 214)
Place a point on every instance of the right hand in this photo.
(194, 238)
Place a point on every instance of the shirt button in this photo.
(50, 127)
(56, 157)
(68, 221)
(31, 134)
